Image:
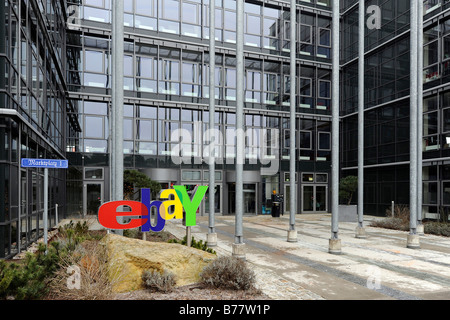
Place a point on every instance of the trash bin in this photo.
(275, 209)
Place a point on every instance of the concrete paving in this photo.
(378, 267)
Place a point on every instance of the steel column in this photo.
(335, 122)
(117, 98)
(240, 146)
(412, 237)
(419, 114)
(413, 117)
(212, 86)
(361, 27)
(292, 158)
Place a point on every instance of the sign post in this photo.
(46, 164)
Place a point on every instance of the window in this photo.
(145, 17)
(324, 47)
(306, 140)
(190, 79)
(169, 11)
(145, 7)
(324, 89)
(307, 177)
(230, 83)
(252, 29)
(218, 82)
(93, 173)
(229, 26)
(128, 72)
(306, 40)
(321, 177)
(98, 10)
(128, 129)
(96, 68)
(271, 88)
(93, 127)
(145, 74)
(430, 131)
(191, 175)
(169, 77)
(324, 141)
(167, 128)
(146, 130)
(253, 87)
(306, 100)
(93, 61)
(324, 95)
(271, 18)
(190, 18)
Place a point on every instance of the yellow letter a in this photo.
(176, 203)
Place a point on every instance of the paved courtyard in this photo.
(378, 267)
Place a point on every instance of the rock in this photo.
(130, 257)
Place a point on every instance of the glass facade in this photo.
(33, 117)
(387, 118)
(166, 88)
(55, 83)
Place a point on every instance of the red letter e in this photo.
(107, 214)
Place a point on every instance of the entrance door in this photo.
(217, 200)
(249, 195)
(314, 198)
(92, 197)
(250, 198)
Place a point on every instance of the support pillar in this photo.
(360, 231)
(413, 240)
(292, 233)
(212, 236)
(238, 246)
(334, 244)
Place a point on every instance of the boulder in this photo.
(129, 258)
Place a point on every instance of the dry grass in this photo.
(398, 221)
(90, 259)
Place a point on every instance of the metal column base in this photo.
(238, 250)
(292, 236)
(360, 233)
(413, 241)
(335, 246)
(211, 239)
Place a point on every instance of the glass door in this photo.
(250, 198)
(249, 194)
(314, 198)
(92, 198)
(321, 198)
(308, 199)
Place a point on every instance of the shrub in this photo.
(228, 273)
(161, 281)
(398, 221)
(194, 244)
(71, 234)
(29, 280)
(437, 228)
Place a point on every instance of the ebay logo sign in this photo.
(140, 211)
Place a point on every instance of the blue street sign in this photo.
(45, 163)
